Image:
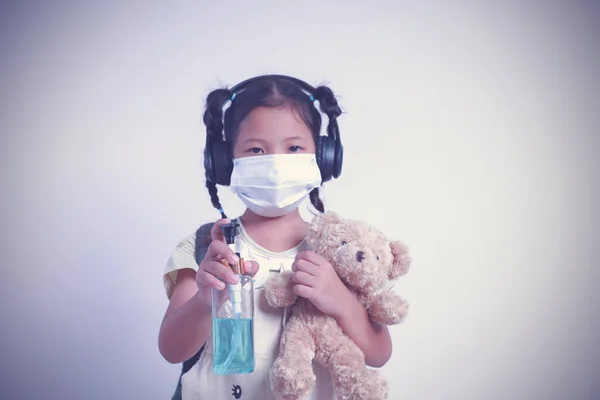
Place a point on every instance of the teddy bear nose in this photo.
(360, 256)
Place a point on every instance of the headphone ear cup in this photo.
(318, 154)
(339, 158)
(217, 162)
(326, 157)
(209, 169)
(222, 163)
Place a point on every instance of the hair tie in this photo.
(221, 210)
(233, 96)
(312, 98)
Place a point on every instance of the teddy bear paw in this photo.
(279, 290)
(390, 312)
(271, 297)
(370, 386)
(399, 312)
(291, 383)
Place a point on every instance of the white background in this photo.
(470, 132)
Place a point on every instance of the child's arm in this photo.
(187, 321)
(317, 281)
(372, 338)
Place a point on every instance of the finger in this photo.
(216, 233)
(251, 267)
(305, 266)
(210, 280)
(302, 278)
(220, 270)
(219, 250)
(311, 257)
(304, 291)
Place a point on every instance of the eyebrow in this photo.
(263, 140)
(295, 138)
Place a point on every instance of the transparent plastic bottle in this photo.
(233, 318)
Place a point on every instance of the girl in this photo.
(269, 149)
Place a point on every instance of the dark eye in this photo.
(377, 258)
(344, 243)
(360, 256)
(295, 149)
(255, 150)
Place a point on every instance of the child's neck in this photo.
(276, 234)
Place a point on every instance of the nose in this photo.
(360, 256)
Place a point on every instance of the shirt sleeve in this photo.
(182, 257)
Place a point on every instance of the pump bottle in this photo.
(233, 315)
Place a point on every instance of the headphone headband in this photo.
(300, 83)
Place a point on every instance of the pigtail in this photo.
(213, 119)
(329, 106)
(316, 201)
(214, 197)
(213, 115)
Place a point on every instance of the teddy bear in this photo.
(367, 262)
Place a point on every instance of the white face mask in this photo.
(274, 185)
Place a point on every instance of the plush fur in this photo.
(365, 260)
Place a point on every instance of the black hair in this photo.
(272, 92)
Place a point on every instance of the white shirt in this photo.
(200, 382)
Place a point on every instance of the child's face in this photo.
(273, 131)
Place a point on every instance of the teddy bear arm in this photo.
(388, 308)
(279, 290)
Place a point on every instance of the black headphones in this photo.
(218, 157)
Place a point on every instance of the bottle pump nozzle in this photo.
(230, 233)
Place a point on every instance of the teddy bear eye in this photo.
(344, 243)
(377, 258)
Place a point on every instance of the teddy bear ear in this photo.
(320, 223)
(331, 217)
(401, 261)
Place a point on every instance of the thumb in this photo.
(251, 267)
(216, 233)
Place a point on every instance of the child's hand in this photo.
(211, 268)
(316, 280)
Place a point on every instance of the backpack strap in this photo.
(203, 240)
